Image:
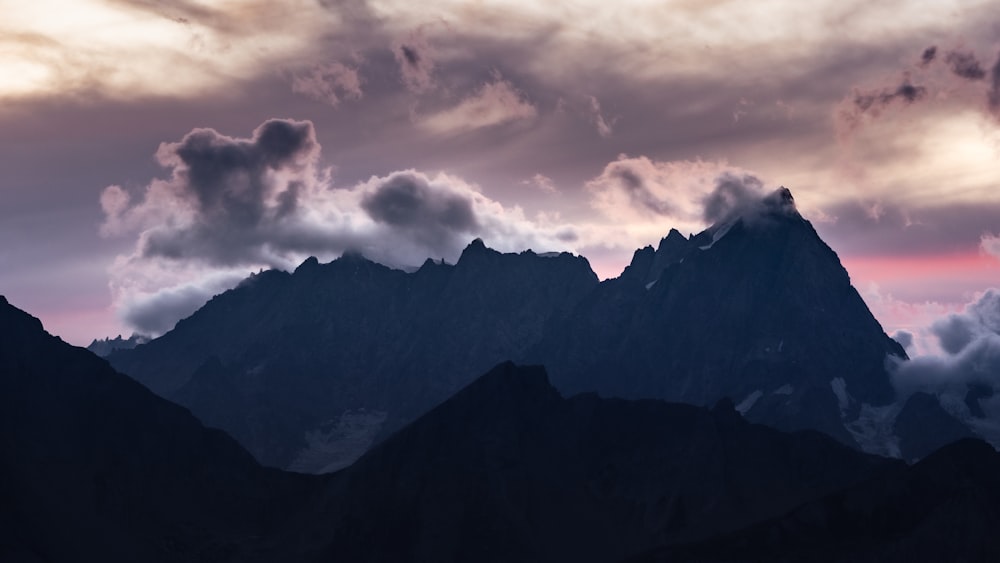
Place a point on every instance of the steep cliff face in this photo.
(334, 355)
(757, 309)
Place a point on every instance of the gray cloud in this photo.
(905, 339)
(872, 103)
(965, 65)
(906, 230)
(231, 204)
(993, 93)
(416, 64)
(408, 202)
(928, 56)
(157, 313)
(329, 83)
(967, 376)
(635, 186)
(227, 197)
(733, 196)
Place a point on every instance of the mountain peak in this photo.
(781, 201)
(476, 248)
(309, 264)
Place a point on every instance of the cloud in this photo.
(329, 83)
(872, 103)
(968, 367)
(733, 196)
(415, 61)
(128, 49)
(965, 65)
(689, 194)
(928, 56)
(905, 339)
(156, 311)
(993, 93)
(603, 125)
(542, 182)
(494, 103)
(228, 200)
(990, 244)
(906, 229)
(234, 204)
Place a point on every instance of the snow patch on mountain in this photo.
(873, 429)
(339, 443)
(746, 404)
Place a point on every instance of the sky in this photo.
(154, 153)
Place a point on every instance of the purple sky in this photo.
(154, 153)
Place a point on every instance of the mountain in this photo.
(105, 346)
(944, 508)
(757, 308)
(508, 470)
(308, 369)
(94, 467)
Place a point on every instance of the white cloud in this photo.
(329, 83)
(990, 244)
(494, 103)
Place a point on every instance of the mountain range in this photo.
(97, 468)
(309, 369)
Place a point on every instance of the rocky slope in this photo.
(94, 467)
(757, 309)
(307, 369)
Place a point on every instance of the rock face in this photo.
(308, 369)
(757, 309)
(280, 361)
(508, 470)
(94, 467)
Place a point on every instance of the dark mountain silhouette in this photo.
(508, 470)
(94, 467)
(105, 346)
(306, 369)
(757, 309)
(944, 508)
(924, 426)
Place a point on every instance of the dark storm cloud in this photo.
(408, 201)
(733, 196)
(928, 56)
(965, 65)
(893, 229)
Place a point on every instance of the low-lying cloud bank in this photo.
(966, 375)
